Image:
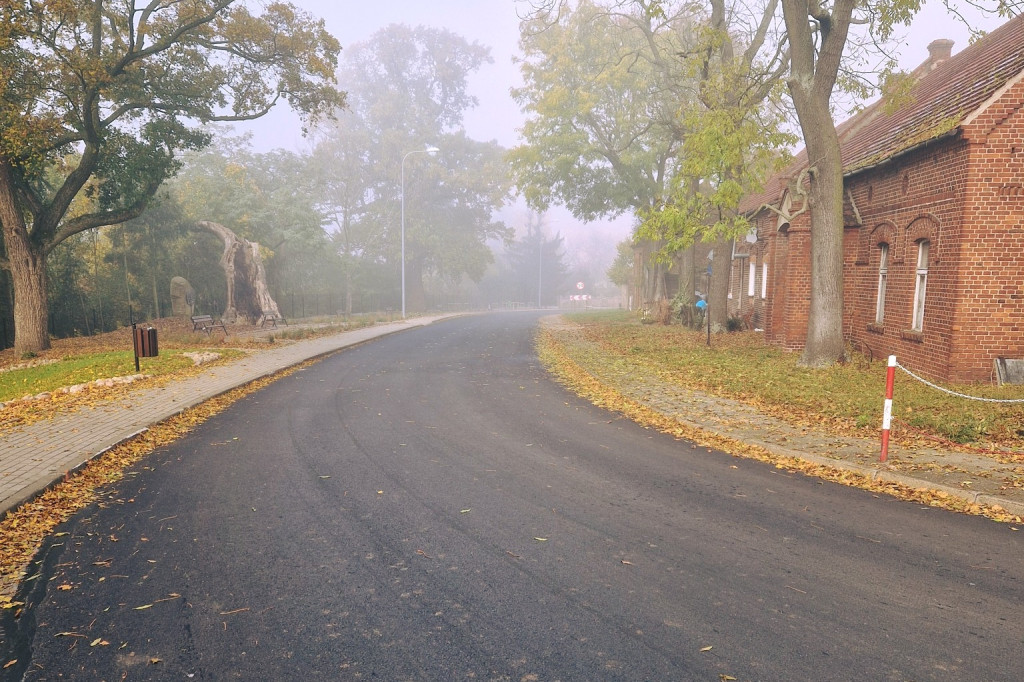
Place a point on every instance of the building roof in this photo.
(946, 93)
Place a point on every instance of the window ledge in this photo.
(911, 335)
(876, 328)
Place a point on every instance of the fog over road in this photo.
(433, 506)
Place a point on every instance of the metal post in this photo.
(540, 266)
(707, 308)
(135, 345)
(403, 233)
(428, 150)
(890, 373)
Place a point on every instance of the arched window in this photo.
(920, 284)
(883, 279)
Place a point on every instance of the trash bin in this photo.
(145, 342)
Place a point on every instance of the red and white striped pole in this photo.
(890, 374)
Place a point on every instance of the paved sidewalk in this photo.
(34, 456)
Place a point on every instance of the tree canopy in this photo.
(98, 99)
(601, 91)
(408, 91)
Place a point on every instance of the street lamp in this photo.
(428, 150)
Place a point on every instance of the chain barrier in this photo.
(959, 395)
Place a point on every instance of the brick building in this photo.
(934, 221)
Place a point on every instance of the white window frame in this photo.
(751, 278)
(764, 280)
(883, 280)
(920, 285)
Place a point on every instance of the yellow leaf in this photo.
(465, 511)
(145, 606)
(707, 648)
(541, 539)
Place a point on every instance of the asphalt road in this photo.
(431, 506)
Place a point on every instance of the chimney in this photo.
(938, 52)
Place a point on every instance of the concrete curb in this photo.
(885, 475)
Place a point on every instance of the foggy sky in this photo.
(495, 24)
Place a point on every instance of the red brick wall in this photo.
(966, 196)
(989, 318)
(900, 204)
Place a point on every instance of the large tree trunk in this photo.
(721, 271)
(348, 290)
(824, 345)
(28, 277)
(26, 262)
(245, 277)
(814, 64)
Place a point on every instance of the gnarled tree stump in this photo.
(247, 292)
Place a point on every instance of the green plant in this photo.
(965, 429)
(85, 368)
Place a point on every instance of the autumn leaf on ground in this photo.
(171, 597)
(707, 648)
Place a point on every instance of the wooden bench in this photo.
(206, 323)
(269, 318)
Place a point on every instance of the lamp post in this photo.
(428, 150)
(707, 311)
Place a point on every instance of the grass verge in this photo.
(846, 398)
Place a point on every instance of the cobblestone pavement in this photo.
(976, 477)
(34, 456)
